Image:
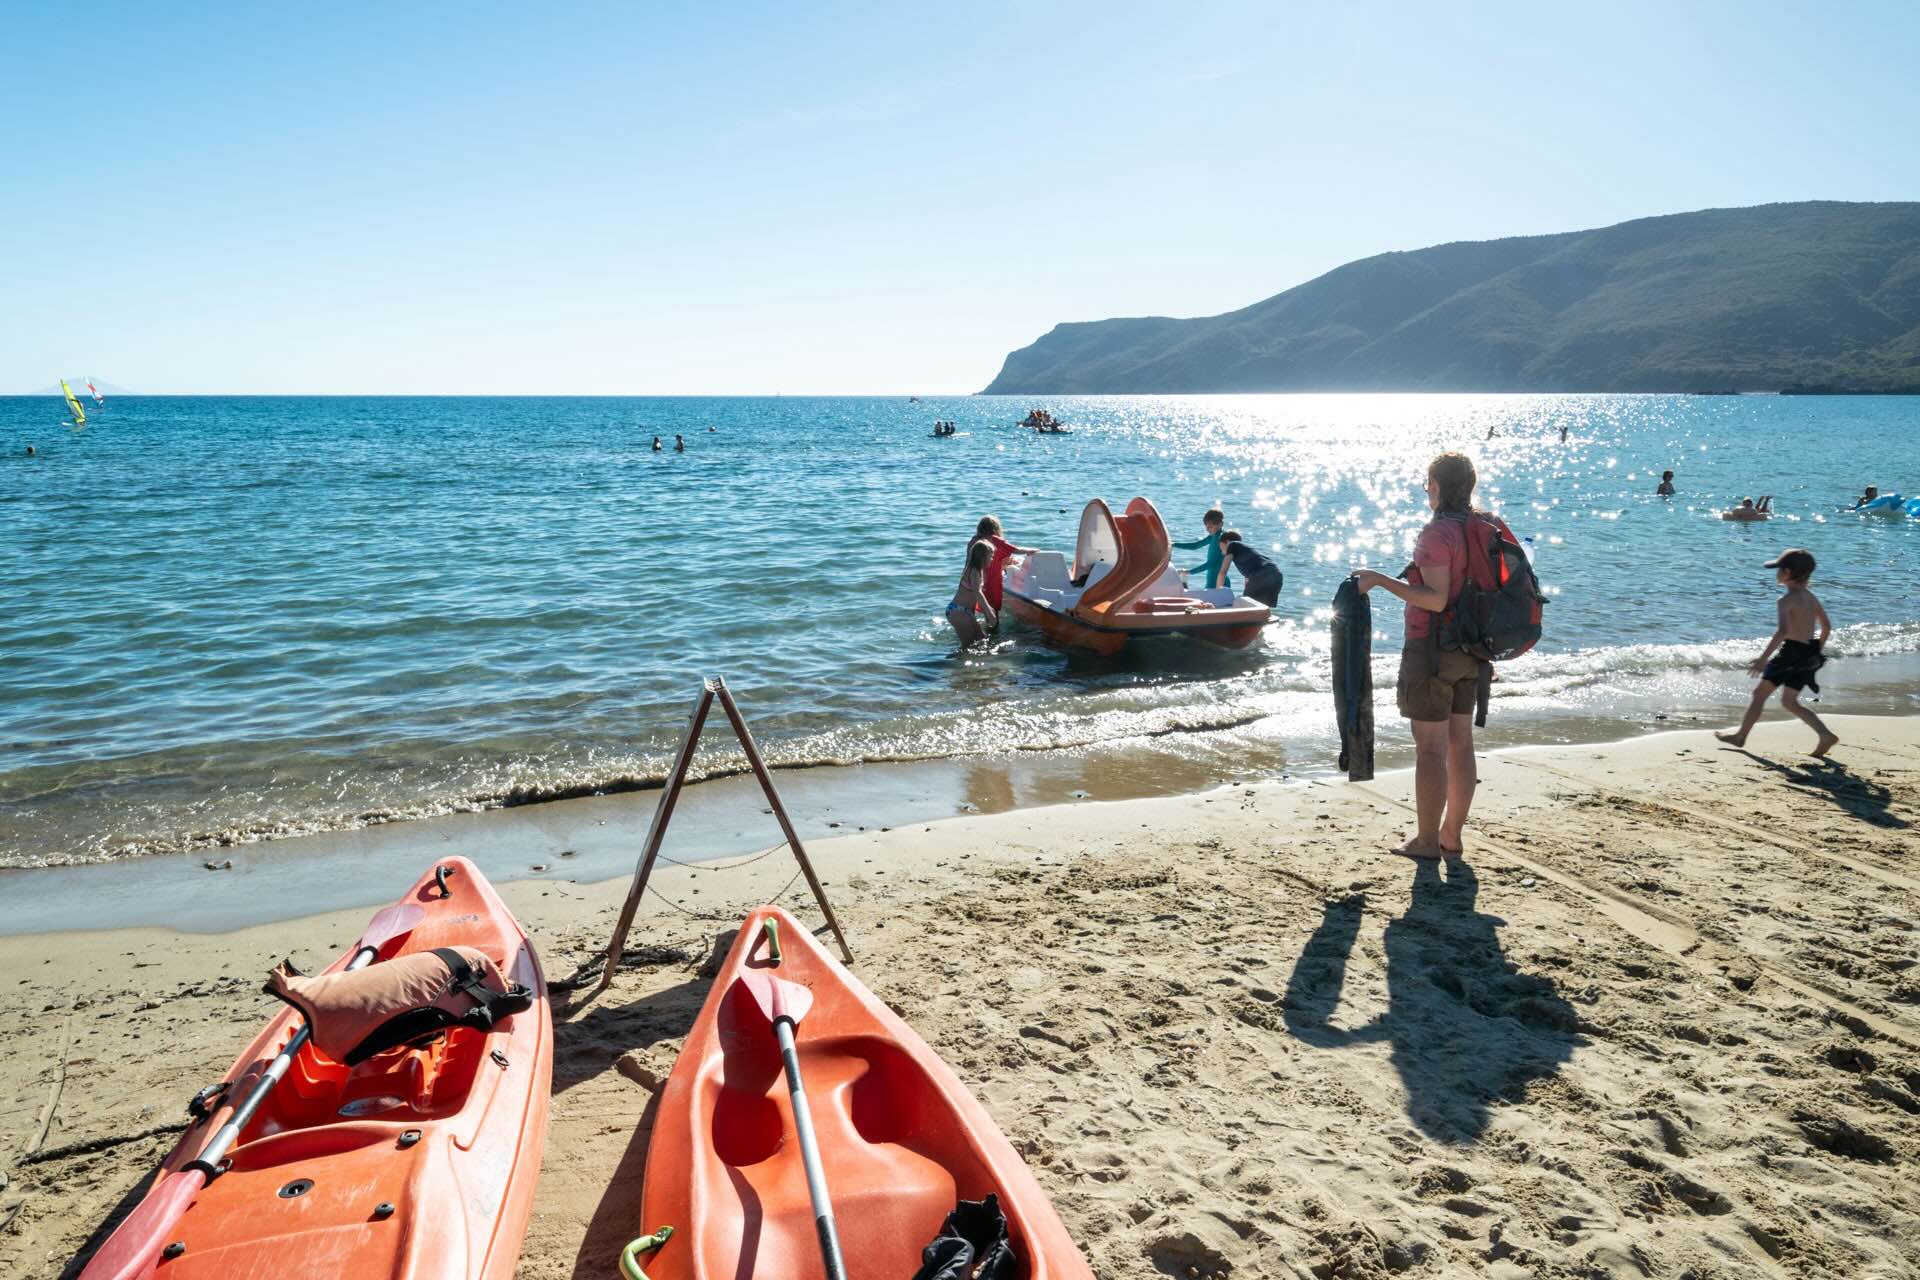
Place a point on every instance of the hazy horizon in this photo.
(757, 201)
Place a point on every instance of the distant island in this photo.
(1820, 297)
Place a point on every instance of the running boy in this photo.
(1215, 567)
(1802, 633)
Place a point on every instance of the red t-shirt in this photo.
(1002, 552)
(1443, 541)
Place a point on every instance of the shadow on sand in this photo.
(1828, 778)
(1464, 1025)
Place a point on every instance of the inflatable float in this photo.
(1122, 586)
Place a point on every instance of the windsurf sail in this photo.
(73, 405)
(94, 391)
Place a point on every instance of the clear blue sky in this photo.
(746, 198)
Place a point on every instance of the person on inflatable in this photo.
(1872, 493)
(1749, 510)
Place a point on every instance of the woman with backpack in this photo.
(1438, 686)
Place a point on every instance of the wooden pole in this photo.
(718, 685)
(657, 831)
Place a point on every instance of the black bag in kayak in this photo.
(1353, 679)
(972, 1245)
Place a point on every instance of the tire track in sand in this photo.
(1668, 932)
(1872, 870)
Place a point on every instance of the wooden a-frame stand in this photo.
(713, 687)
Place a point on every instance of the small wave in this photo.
(1068, 720)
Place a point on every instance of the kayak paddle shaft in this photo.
(216, 1148)
(130, 1251)
(810, 1154)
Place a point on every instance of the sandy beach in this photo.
(1662, 1020)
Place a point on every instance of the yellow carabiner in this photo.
(630, 1262)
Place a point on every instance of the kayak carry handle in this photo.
(629, 1260)
(440, 875)
(772, 928)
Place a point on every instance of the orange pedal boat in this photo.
(417, 1163)
(901, 1139)
(1123, 586)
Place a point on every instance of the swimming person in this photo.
(1437, 687)
(989, 532)
(679, 444)
(1800, 634)
(1748, 511)
(969, 613)
(1215, 567)
(1666, 485)
(656, 444)
(1263, 576)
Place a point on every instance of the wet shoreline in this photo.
(586, 840)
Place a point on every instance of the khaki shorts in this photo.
(1425, 696)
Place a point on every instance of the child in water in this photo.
(1215, 569)
(1263, 576)
(969, 609)
(1666, 485)
(989, 532)
(1800, 637)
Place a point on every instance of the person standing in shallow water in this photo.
(993, 581)
(1437, 687)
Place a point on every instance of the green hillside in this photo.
(1821, 294)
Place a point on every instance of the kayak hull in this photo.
(901, 1138)
(417, 1163)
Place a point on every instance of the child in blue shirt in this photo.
(1216, 565)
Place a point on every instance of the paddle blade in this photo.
(777, 997)
(133, 1250)
(392, 923)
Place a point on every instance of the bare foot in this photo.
(1421, 850)
(1732, 739)
(1827, 743)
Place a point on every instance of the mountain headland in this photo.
(1817, 296)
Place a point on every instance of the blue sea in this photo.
(235, 618)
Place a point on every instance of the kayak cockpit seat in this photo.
(896, 1153)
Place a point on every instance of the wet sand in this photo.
(589, 839)
(1663, 1019)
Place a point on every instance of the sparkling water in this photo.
(236, 617)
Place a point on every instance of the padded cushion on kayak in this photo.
(355, 1014)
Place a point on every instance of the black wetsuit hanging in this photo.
(1353, 679)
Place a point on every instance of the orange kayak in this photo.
(417, 1163)
(901, 1139)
